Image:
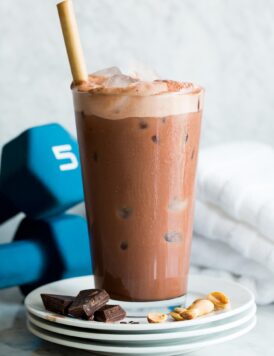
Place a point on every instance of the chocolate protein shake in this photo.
(139, 145)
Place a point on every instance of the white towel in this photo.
(234, 215)
(239, 179)
(212, 223)
(218, 259)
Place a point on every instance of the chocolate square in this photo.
(57, 303)
(87, 302)
(110, 313)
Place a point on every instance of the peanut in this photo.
(156, 317)
(198, 308)
(179, 310)
(219, 299)
(176, 316)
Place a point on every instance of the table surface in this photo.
(16, 340)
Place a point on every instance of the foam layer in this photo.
(118, 97)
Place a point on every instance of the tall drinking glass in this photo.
(139, 147)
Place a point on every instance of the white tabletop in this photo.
(16, 340)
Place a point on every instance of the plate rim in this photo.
(121, 350)
(148, 337)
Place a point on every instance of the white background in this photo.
(225, 45)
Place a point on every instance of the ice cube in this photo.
(173, 236)
(141, 71)
(119, 81)
(124, 213)
(177, 205)
(143, 125)
(108, 72)
(155, 139)
(124, 245)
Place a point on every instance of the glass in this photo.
(139, 156)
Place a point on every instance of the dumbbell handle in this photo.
(20, 262)
(26, 261)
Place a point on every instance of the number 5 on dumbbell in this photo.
(64, 152)
(40, 173)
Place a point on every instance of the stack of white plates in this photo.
(137, 337)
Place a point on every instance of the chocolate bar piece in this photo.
(110, 313)
(57, 303)
(87, 302)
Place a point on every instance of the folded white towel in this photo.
(239, 179)
(212, 223)
(234, 215)
(218, 259)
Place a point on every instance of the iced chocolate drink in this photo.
(139, 144)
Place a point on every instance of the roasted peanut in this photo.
(179, 310)
(176, 316)
(156, 317)
(198, 308)
(219, 299)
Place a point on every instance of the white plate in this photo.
(160, 350)
(241, 300)
(211, 328)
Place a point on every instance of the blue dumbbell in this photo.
(44, 251)
(40, 173)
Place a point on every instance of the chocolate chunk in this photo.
(110, 313)
(57, 303)
(173, 236)
(155, 139)
(87, 302)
